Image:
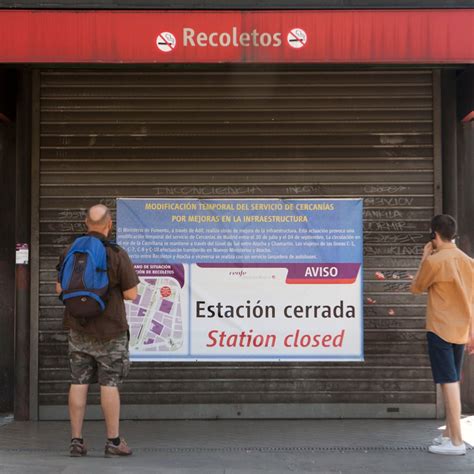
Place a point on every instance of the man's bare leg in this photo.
(446, 433)
(452, 404)
(110, 402)
(77, 408)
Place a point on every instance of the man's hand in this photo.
(470, 344)
(427, 250)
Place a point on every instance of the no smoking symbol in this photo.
(297, 38)
(166, 42)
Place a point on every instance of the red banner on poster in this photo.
(358, 36)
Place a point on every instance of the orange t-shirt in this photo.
(448, 275)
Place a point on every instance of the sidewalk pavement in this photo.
(236, 447)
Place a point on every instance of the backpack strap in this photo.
(104, 240)
(112, 245)
(107, 243)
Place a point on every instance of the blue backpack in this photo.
(84, 279)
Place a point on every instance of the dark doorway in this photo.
(7, 238)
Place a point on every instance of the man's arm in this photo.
(130, 294)
(425, 275)
(59, 288)
(470, 343)
(127, 277)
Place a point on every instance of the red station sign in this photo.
(358, 36)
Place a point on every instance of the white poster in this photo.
(244, 279)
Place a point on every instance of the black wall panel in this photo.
(249, 131)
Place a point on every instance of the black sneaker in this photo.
(77, 449)
(121, 450)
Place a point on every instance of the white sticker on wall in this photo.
(22, 254)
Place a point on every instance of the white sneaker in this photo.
(448, 448)
(440, 439)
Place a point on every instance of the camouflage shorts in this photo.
(93, 360)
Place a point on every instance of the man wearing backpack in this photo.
(448, 276)
(98, 342)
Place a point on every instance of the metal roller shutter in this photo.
(265, 131)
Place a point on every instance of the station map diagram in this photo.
(155, 316)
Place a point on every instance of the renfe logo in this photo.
(233, 38)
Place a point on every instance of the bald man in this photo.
(98, 348)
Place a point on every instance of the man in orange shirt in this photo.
(448, 275)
